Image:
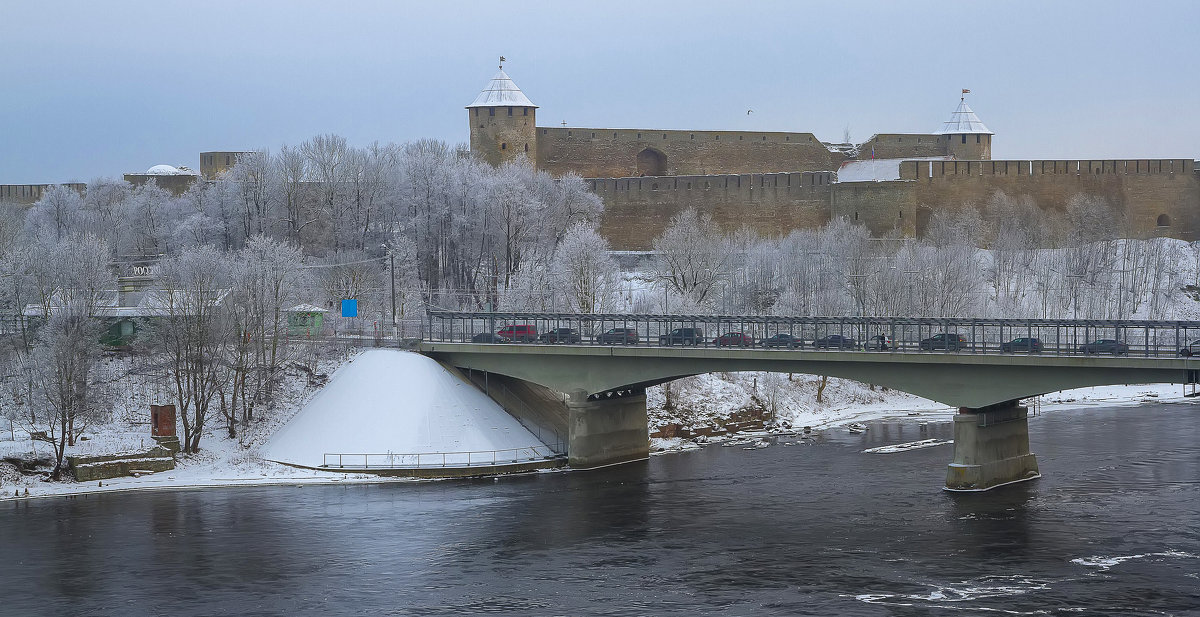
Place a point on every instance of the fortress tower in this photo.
(502, 122)
(964, 137)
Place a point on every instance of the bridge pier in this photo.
(991, 448)
(607, 428)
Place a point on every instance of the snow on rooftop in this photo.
(306, 308)
(388, 401)
(501, 92)
(876, 170)
(963, 120)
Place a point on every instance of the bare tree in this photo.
(692, 255)
(584, 269)
(194, 330)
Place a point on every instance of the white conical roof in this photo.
(963, 121)
(501, 92)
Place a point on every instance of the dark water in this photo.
(1113, 528)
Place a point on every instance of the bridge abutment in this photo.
(991, 448)
(607, 428)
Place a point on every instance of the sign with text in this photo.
(349, 308)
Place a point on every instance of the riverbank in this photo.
(702, 401)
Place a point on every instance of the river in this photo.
(816, 528)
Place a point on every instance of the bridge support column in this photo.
(607, 428)
(991, 448)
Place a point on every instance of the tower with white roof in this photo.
(502, 121)
(964, 136)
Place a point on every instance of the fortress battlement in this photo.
(787, 180)
(915, 170)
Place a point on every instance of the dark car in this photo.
(488, 337)
(783, 339)
(1031, 345)
(1191, 349)
(682, 336)
(618, 336)
(879, 342)
(522, 333)
(835, 341)
(949, 341)
(734, 339)
(1105, 345)
(560, 335)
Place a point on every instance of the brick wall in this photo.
(613, 153)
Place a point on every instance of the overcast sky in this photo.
(90, 89)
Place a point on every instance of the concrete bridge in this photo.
(595, 393)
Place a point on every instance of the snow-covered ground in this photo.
(395, 403)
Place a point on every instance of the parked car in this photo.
(488, 337)
(521, 333)
(560, 335)
(783, 339)
(835, 341)
(682, 336)
(618, 336)
(879, 342)
(1031, 345)
(734, 339)
(1106, 345)
(1191, 349)
(949, 341)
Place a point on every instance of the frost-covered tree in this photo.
(585, 272)
(194, 330)
(692, 255)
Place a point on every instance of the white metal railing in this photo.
(421, 460)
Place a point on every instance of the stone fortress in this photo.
(775, 181)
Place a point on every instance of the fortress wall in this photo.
(28, 194)
(1143, 189)
(636, 210)
(613, 153)
(901, 145)
(883, 207)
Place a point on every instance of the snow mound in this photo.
(395, 402)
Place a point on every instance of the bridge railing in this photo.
(985, 336)
(473, 458)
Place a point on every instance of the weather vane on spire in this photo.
(501, 62)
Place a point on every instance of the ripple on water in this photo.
(1106, 562)
(965, 595)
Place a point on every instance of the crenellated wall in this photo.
(638, 209)
(614, 153)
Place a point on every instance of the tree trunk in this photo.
(821, 388)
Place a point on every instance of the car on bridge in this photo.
(560, 335)
(1105, 345)
(783, 339)
(879, 342)
(521, 333)
(835, 341)
(1191, 349)
(948, 341)
(734, 339)
(682, 336)
(488, 337)
(1027, 344)
(618, 336)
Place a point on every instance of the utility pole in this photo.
(392, 257)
